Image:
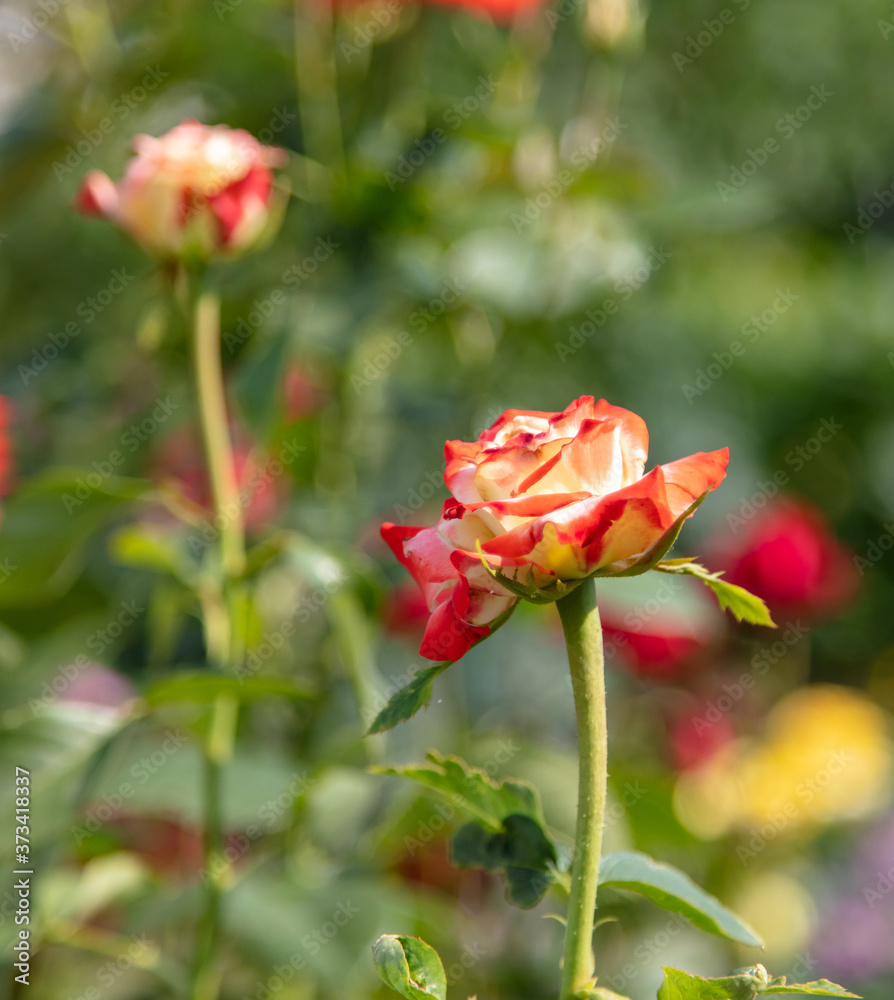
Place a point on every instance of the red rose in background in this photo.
(199, 190)
(502, 11)
(406, 612)
(788, 555)
(542, 497)
(6, 452)
(694, 739)
(658, 654)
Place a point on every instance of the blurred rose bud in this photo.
(180, 457)
(196, 192)
(299, 393)
(788, 555)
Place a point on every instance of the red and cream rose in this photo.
(197, 191)
(542, 500)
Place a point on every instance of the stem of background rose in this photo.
(316, 78)
(217, 613)
(583, 639)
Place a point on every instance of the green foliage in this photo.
(406, 702)
(743, 985)
(672, 890)
(410, 967)
(507, 835)
(745, 607)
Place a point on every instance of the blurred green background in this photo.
(596, 198)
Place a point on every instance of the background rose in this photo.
(789, 556)
(547, 497)
(198, 190)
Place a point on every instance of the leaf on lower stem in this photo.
(410, 967)
(673, 890)
(745, 984)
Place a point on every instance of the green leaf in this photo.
(205, 687)
(679, 985)
(406, 702)
(744, 606)
(521, 851)
(507, 835)
(672, 890)
(818, 988)
(410, 967)
(470, 789)
(47, 527)
(601, 993)
(744, 984)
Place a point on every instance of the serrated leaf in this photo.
(679, 985)
(410, 967)
(470, 789)
(673, 890)
(406, 702)
(521, 851)
(204, 687)
(818, 988)
(743, 605)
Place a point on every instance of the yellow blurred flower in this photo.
(825, 756)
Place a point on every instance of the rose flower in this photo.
(197, 191)
(542, 500)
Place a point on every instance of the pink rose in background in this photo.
(197, 191)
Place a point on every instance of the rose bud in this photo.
(788, 556)
(541, 499)
(194, 193)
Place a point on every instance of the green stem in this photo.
(583, 638)
(205, 315)
(218, 450)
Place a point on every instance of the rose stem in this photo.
(583, 638)
(205, 316)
